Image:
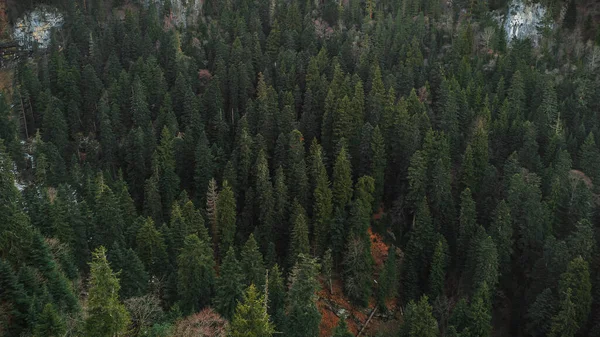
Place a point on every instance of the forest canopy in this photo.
(301, 168)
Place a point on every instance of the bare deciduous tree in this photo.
(487, 35)
(144, 310)
(206, 323)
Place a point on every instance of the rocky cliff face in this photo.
(35, 26)
(522, 20)
(184, 12)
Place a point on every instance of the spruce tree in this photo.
(251, 317)
(418, 320)
(229, 285)
(151, 248)
(299, 239)
(439, 265)
(195, 274)
(49, 323)
(564, 323)
(341, 330)
(211, 210)
(252, 263)
(226, 218)
(342, 180)
(576, 281)
(388, 279)
(303, 315)
(106, 315)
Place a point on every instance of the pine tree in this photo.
(501, 233)
(281, 208)
(211, 210)
(264, 200)
(109, 221)
(378, 165)
(388, 279)
(564, 323)
(589, 159)
(341, 123)
(377, 97)
(303, 315)
(204, 169)
(195, 274)
(251, 317)
(276, 297)
(296, 168)
(151, 249)
(228, 288)
(226, 218)
(252, 263)
(342, 180)
(322, 198)
(439, 264)
(341, 330)
(299, 239)
(540, 313)
(482, 261)
(358, 265)
(576, 282)
(418, 252)
(132, 275)
(49, 323)
(467, 224)
(106, 315)
(152, 200)
(418, 320)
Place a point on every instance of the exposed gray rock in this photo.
(35, 26)
(522, 20)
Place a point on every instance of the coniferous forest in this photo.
(302, 168)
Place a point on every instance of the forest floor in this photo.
(333, 303)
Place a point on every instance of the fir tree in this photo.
(49, 323)
(229, 285)
(106, 315)
(151, 248)
(341, 330)
(195, 274)
(225, 218)
(251, 317)
(303, 315)
(342, 180)
(388, 279)
(299, 239)
(418, 320)
(252, 263)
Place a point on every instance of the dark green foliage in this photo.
(132, 275)
(388, 278)
(49, 323)
(225, 220)
(251, 318)
(341, 330)
(303, 315)
(342, 180)
(178, 135)
(418, 320)
(106, 315)
(195, 274)
(252, 263)
(228, 287)
(575, 284)
(299, 238)
(439, 265)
